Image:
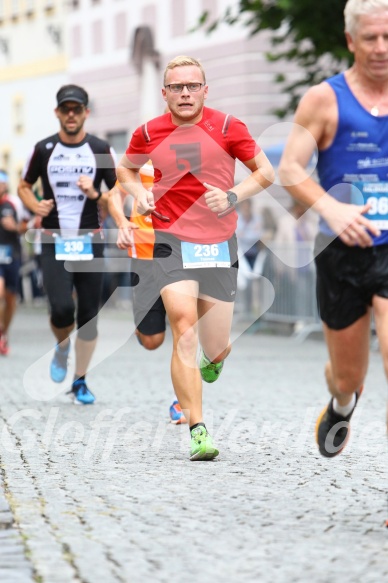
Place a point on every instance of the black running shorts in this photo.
(347, 280)
(217, 282)
(59, 284)
(149, 313)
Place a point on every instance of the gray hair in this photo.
(355, 8)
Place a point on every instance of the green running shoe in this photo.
(210, 371)
(202, 447)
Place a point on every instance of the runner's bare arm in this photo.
(129, 179)
(261, 178)
(315, 124)
(42, 208)
(116, 197)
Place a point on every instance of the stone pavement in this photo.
(106, 494)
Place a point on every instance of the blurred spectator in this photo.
(269, 225)
(293, 262)
(115, 259)
(32, 266)
(294, 236)
(249, 226)
(36, 276)
(11, 225)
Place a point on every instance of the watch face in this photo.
(232, 197)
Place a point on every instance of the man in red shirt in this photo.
(149, 313)
(193, 151)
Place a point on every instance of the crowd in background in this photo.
(277, 247)
(272, 245)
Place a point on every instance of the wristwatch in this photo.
(232, 198)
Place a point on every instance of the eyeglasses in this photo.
(178, 87)
(76, 109)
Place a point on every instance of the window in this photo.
(97, 40)
(49, 5)
(118, 141)
(76, 42)
(178, 18)
(149, 16)
(15, 8)
(29, 6)
(210, 6)
(5, 160)
(18, 115)
(4, 46)
(120, 30)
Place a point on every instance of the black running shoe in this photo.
(332, 430)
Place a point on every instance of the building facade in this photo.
(33, 64)
(117, 50)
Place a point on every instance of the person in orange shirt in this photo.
(149, 313)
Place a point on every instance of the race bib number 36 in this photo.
(198, 255)
(375, 194)
(74, 248)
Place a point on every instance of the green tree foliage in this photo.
(309, 33)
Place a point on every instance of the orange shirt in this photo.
(143, 237)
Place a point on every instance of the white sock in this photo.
(344, 410)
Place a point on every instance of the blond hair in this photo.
(183, 61)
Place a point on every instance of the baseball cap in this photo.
(72, 93)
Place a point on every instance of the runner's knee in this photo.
(87, 325)
(62, 316)
(88, 331)
(151, 342)
(187, 341)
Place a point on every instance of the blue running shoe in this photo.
(58, 367)
(176, 414)
(81, 394)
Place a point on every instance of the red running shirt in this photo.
(184, 157)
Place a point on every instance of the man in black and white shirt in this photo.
(72, 165)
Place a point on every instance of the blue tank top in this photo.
(354, 168)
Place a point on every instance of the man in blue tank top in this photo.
(346, 119)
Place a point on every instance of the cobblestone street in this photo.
(107, 494)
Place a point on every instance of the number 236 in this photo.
(206, 250)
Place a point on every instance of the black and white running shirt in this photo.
(59, 166)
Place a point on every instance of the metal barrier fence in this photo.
(291, 271)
